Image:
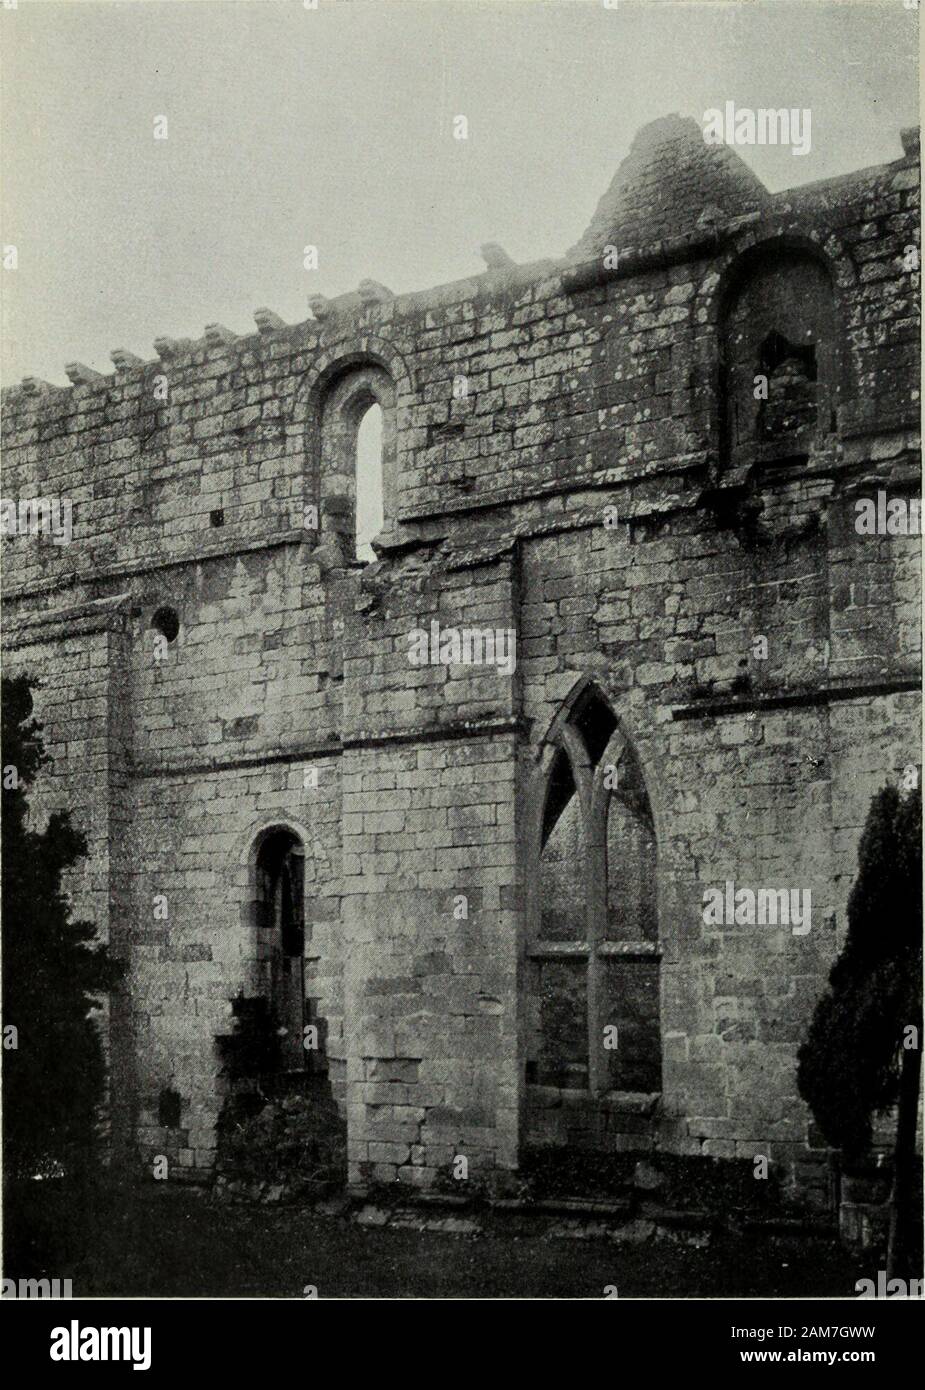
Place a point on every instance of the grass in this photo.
(175, 1242)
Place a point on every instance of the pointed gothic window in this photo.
(593, 1012)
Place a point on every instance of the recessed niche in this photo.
(168, 1108)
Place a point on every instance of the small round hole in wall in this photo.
(166, 621)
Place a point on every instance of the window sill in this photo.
(794, 451)
(545, 950)
(550, 950)
(617, 1102)
(643, 950)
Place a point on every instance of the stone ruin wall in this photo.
(587, 387)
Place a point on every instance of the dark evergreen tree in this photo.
(862, 1054)
(54, 973)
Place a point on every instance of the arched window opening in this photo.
(788, 404)
(559, 793)
(561, 1020)
(357, 457)
(593, 1015)
(630, 982)
(166, 621)
(631, 852)
(562, 877)
(779, 360)
(280, 919)
(370, 510)
(595, 723)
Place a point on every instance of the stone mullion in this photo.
(596, 899)
(596, 910)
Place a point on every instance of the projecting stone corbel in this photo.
(495, 256)
(78, 374)
(320, 306)
(267, 321)
(167, 347)
(371, 292)
(124, 361)
(217, 335)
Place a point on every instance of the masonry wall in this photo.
(560, 471)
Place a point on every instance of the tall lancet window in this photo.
(357, 457)
(370, 511)
(561, 995)
(593, 947)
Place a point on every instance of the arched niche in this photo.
(780, 359)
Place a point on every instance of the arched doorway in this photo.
(280, 927)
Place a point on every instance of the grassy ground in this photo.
(168, 1243)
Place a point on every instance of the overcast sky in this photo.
(290, 126)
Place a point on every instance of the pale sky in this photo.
(333, 127)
